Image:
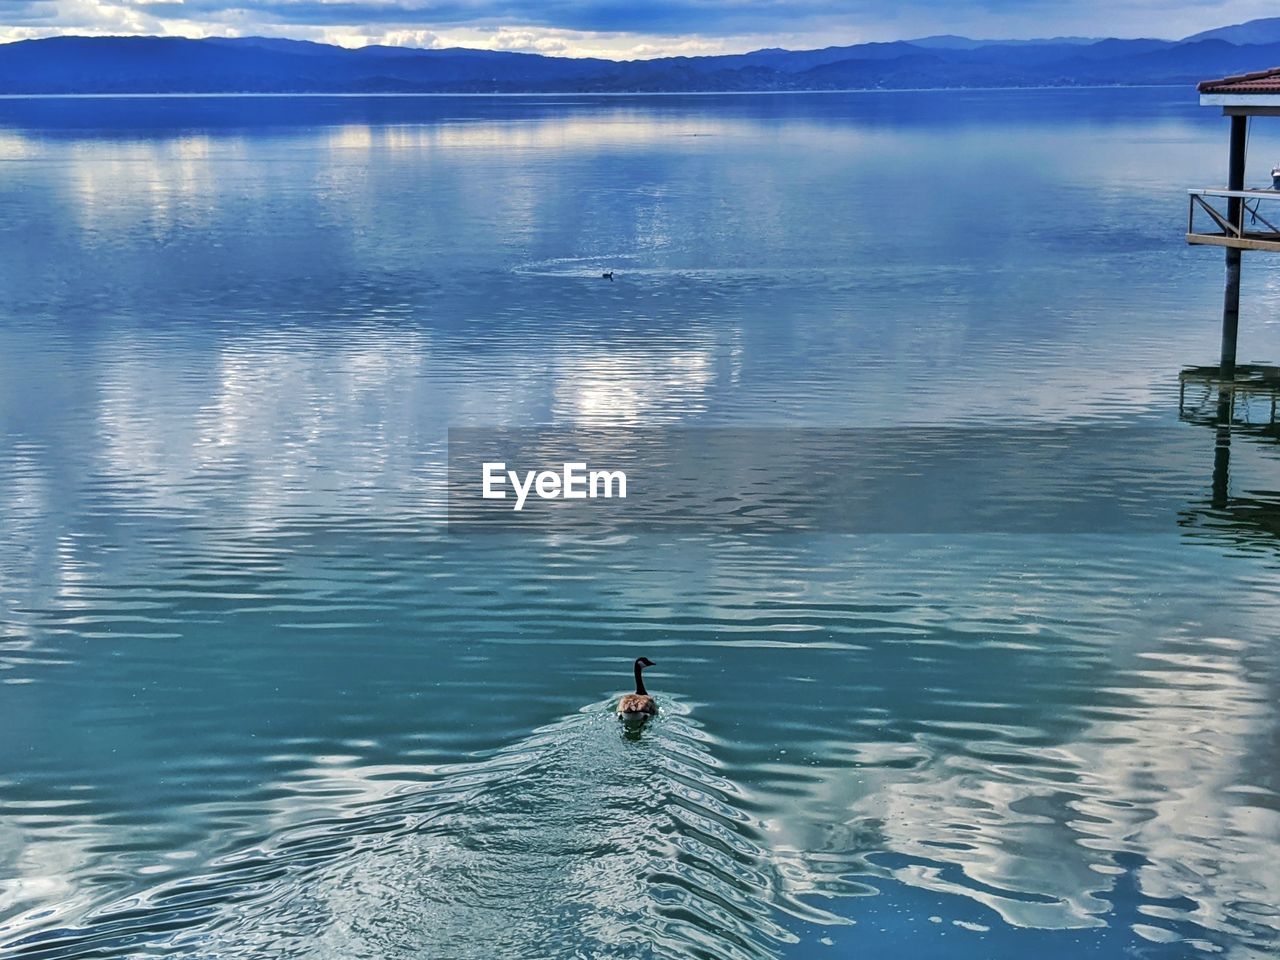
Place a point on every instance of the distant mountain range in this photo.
(268, 65)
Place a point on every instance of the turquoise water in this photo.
(258, 699)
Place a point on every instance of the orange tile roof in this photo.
(1263, 81)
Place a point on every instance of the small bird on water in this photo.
(638, 705)
(607, 275)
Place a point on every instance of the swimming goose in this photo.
(638, 705)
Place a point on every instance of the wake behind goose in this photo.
(547, 842)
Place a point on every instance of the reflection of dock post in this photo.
(1235, 214)
(1222, 449)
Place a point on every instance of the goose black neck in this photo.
(640, 681)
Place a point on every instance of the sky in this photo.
(622, 29)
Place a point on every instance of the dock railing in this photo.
(1242, 217)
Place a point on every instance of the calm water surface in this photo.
(257, 701)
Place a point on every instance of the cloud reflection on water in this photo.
(237, 626)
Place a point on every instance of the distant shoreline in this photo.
(140, 66)
(613, 94)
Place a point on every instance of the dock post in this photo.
(1230, 317)
(1235, 214)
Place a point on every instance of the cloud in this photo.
(618, 28)
(671, 17)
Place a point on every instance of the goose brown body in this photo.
(638, 705)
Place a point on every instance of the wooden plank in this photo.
(1253, 110)
(1237, 243)
(1242, 194)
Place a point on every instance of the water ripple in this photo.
(615, 845)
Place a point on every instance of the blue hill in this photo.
(70, 65)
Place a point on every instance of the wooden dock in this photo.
(1236, 213)
(1252, 227)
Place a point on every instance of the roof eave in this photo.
(1245, 100)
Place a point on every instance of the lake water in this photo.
(257, 699)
